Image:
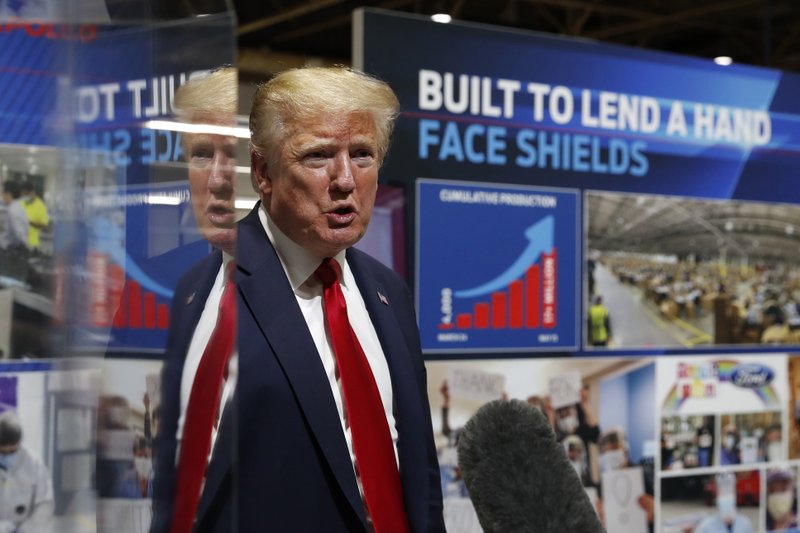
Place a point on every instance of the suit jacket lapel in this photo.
(187, 314)
(194, 302)
(219, 468)
(406, 395)
(266, 294)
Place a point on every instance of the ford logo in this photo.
(752, 376)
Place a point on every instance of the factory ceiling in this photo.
(756, 32)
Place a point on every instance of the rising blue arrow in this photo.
(540, 240)
(107, 240)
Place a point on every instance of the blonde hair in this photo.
(212, 98)
(215, 93)
(302, 94)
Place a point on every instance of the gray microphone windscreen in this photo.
(518, 476)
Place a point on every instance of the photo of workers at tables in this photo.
(685, 272)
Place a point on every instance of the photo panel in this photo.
(687, 441)
(681, 272)
(780, 498)
(127, 425)
(48, 482)
(721, 501)
(601, 412)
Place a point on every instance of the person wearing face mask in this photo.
(773, 443)
(116, 441)
(705, 446)
(614, 456)
(576, 453)
(26, 490)
(726, 519)
(578, 419)
(729, 451)
(781, 505)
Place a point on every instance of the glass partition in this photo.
(106, 206)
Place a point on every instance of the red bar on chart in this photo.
(549, 270)
(134, 304)
(163, 316)
(97, 264)
(532, 297)
(498, 310)
(481, 315)
(463, 321)
(515, 304)
(149, 310)
(116, 277)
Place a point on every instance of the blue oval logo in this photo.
(752, 376)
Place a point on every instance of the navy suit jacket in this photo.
(187, 306)
(281, 462)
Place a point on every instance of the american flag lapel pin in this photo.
(382, 298)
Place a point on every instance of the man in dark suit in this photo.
(208, 106)
(294, 457)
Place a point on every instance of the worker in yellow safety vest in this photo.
(599, 323)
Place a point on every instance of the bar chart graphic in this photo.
(496, 267)
(523, 295)
(122, 302)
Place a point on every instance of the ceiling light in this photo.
(211, 129)
(444, 18)
(723, 61)
(245, 203)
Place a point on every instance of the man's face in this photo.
(574, 453)
(9, 449)
(319, 186)
(212, 170)
(773, 435)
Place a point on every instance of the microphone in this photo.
(517, 475)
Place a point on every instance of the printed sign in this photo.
(565, 389)
(496, 267)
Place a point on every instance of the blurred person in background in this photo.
(614, 456)
(773, 443)
(15, 234)
(729, 449)
(599, 323)
(26, 489)
(781, 503)
(578, 458)
(727, 519)
(36, 211)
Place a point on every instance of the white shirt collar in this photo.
(298, 263)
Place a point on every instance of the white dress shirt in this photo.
(200, 337)
(300, 265)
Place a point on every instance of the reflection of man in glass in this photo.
(26, 497)
(208, 104)
(726, 519)
(781, 505)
